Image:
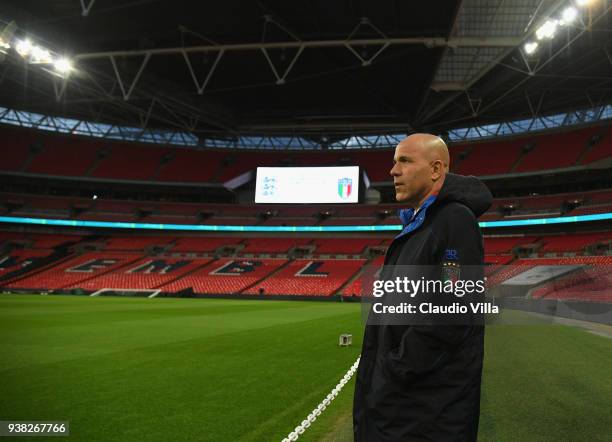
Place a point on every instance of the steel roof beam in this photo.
(425, 41)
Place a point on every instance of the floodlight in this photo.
(569, 15)
(23, 47)
(547, 30)
(530, 47)
(62, 65)
(40, 55)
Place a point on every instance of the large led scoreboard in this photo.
(307, 185)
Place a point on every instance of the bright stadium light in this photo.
(62, 65)
(23, 47)
(40, 55)
(569, 15)
(583, 2)
(530, 47)
(547, 30)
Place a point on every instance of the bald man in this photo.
(422, 382)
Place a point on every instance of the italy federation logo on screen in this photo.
(345, 187)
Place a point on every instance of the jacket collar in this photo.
(411, 219)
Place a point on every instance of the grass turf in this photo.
(201, 369)
(170, 369)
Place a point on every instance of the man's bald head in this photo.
(420, 164)
(432, 146)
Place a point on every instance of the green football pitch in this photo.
(228, 370)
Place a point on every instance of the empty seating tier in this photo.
(75, 271)
(57, 154)
(225, 276)
(309, 277)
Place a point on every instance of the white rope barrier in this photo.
(316, 412)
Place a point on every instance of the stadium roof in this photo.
(313, 68)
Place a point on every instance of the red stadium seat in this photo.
(146, 273)
(16, 147)
(225, 276)
(309, 278)
(491, 158)
(19, 259)
(75, 271)
(202, 244)
(272, 245)
(355, 287)
(570, 243)
(504, 245)
(135, 243)
(599, 151)
(62, 155)
(191, 166)
(120, 163)
(343, 245)
(592, 283)
(555, 151)
(66, 155)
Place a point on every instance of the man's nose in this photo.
(394, 170)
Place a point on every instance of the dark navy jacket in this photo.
(418, 382)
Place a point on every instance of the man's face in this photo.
(411, 173)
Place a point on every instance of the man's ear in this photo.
(436, 169)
